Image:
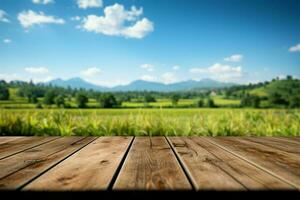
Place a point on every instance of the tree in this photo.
(175, 98)
(4, 92)
(126, 98)
(289, 77)
(250, 101)
(49, 97)
(200, 103)
(60, 101)
(34, 99)
(294, 102)
(255, 102)
(81, 100)
(149, 98)
(108, 101)
(210, 103)
(277, 99)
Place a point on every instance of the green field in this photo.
(150, 122)
(18, 117)
(19, 102)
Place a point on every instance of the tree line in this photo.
(280, 93)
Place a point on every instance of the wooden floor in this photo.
(149, 163)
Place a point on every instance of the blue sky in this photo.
(110, 42)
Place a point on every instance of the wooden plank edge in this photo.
(253, 163)
(47, 141)
(288, 139)
(183, 166)
(117, 172)
(57, 163)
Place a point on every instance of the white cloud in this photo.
(295, 48)
(175, 67)
(84, 4)
(91, 72)
(169, 77)
(148, 67)
(7, 40)
(30, 18)
(220, 72)
(42, 1)
(234, 58)
(75, 18)
(10, 77)
(23, 77)
(37, 70)
(148, 78)
(3, 16)
(114, 22)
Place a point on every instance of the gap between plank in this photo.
(253, 163)
(49, 168)
(116, 174)
(28, 148)
(182, 165)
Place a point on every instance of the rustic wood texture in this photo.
(295, 140)
(4, 139)
(279, 163)
(212, 168)
(290, 147)
(151, 165)
(92, 168)
(20, 144)
(19, 169)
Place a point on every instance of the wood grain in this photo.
(276, 143)
(4, 139)
(279, 163)
(151, 165)
(19, 169)
(212, 168)
(295, 140)
(92, 168)
(12, 147)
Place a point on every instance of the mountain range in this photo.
(141, 85)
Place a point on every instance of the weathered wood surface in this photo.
(277, 162)
(5, 139)
(152, 165)
(288, 146)
(90, 169)
(213, 168)
(12, 146)
(290, 139)
(149, 163)
(21, 168)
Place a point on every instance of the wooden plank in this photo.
(92, 168)
(295, 140)
(151, 165)
(276, 143)
(279, 163)
(15, 146)
(4, 139)
(212, 168)
(17, 170)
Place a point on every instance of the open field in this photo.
(170, 122)
(18, 102)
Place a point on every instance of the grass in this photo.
(171, 122)
(19, 102)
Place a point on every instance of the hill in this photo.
(141, 85)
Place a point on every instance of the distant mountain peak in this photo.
(142, 85)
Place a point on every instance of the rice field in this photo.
(150, 122)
